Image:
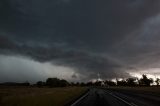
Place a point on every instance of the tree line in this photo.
(53, 82)
(144, 81)
(56, 82)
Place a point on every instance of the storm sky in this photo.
(76, 39)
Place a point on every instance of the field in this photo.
(150, 90)
(26, 96)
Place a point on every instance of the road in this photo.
(109, 97)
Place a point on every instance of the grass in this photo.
(23, 96)
(152, 90)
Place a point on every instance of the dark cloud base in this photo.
(107, 37)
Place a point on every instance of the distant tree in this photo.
(89, 83)
(131, 81)
(16, 84)
(40, 83)
(97, 83)
(151, 80)
(82, 84)
(72, 84)
(53, 82)
(63, 83)
(77, 84)
(121, 83)
(157, 81)
(25, 83)
(145, 81)
(110, 83)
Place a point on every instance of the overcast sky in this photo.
(77, 39)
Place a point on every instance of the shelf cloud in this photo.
(78, 38)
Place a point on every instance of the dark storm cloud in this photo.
(119, 18)
(82, 61)
(59, 21)
(92, 36)
(79, 22)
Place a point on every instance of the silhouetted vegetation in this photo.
(40, 84)
(131, 82)
(110, 83)
(121, 83)
(15, 84)
(145, 81)
(157, 81)
(55, 82)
